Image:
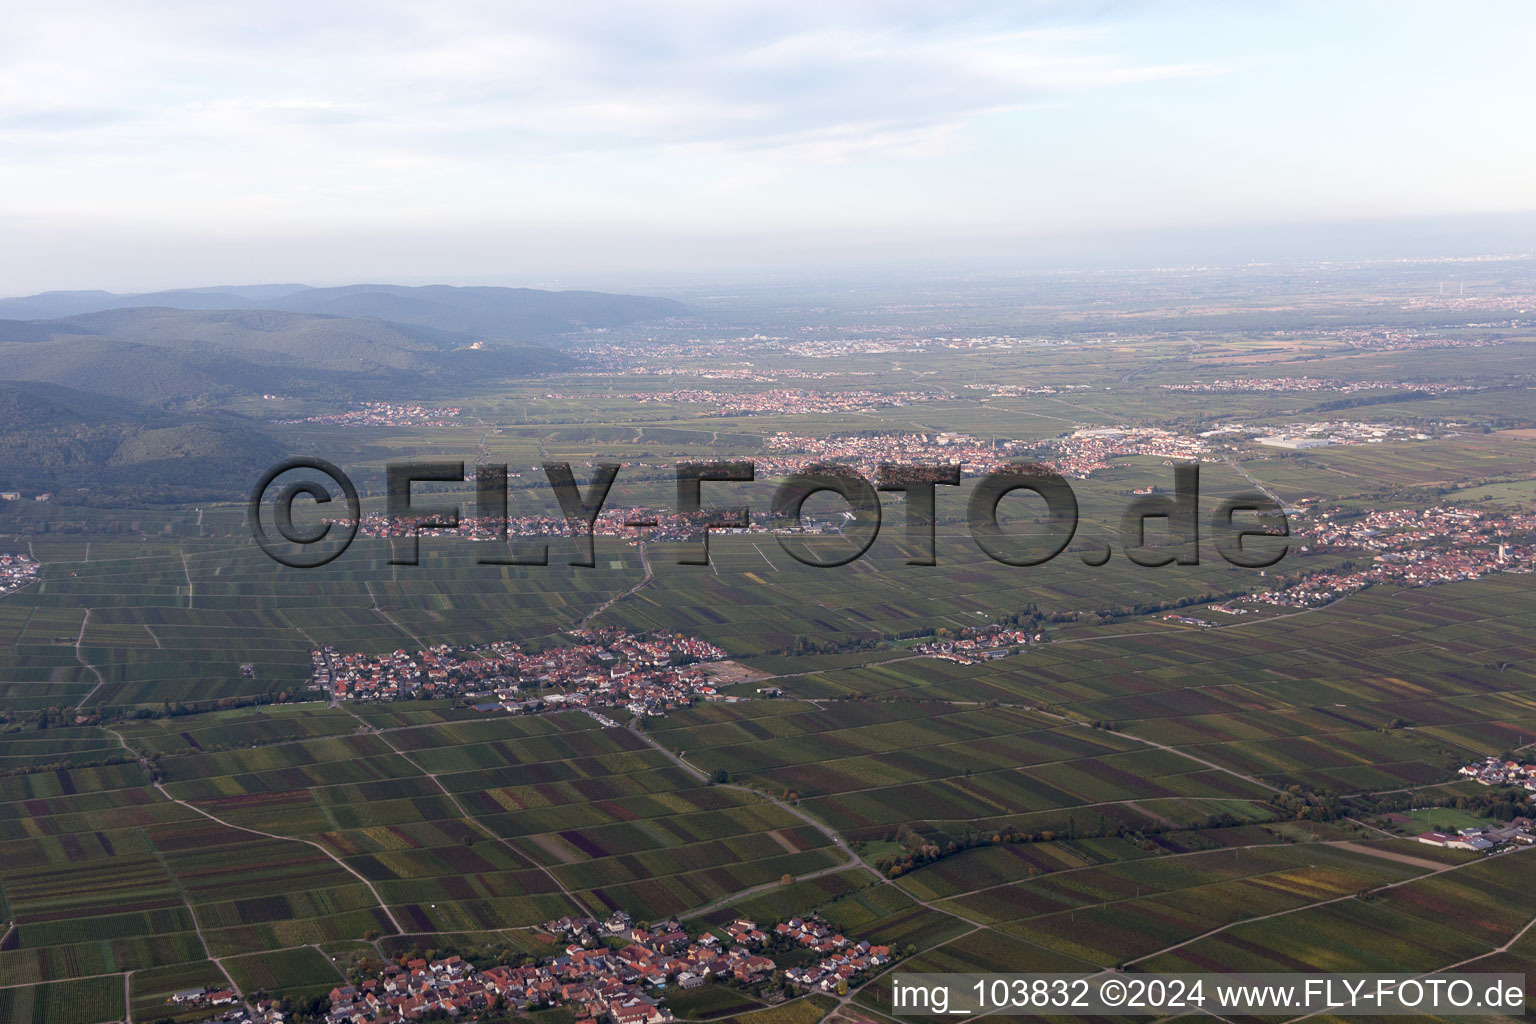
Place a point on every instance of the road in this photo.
(1271, 495)
(616, 598)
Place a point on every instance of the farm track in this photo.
(185, 569)
(73, 977)
(197, 929)
(1401, 858)
(649, 575)
(1271, 495)
(378, 610)
(298, 629)
(100, 679)
(160, 788)
(1066, 720)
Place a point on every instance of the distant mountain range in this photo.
(362, 340)
(486, 314)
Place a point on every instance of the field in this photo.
(1446, 818)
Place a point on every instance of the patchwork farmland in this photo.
(1069, 766)
(228, 841)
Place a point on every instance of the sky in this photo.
(163, 144)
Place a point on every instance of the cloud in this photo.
(478, 83)
(380, 125)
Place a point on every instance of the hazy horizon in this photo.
(788, 259)
(160, 145)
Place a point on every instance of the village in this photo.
(1413, 547)
(972, 647)
(1491, 838)
(16, 571)
(627, 523)
(609, 972)
(786, 401)
(867, 452)
(1078, 455)
(1287, 385)
(1496, 771)
(1026, 390)
(1088, 450)
(1395, 529)
(648, 675)
(385, 414)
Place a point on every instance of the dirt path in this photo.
(1440, 870)
(854, 860)
(160, 788)
(484, 829)
(1505, 948)
(420, 643)
(197, 929)
(1401, 858)
(616, 598)
(100, 679)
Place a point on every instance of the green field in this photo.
(1446, 819)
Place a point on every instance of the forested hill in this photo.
(486, 314)
(159, 355)
(80, 444)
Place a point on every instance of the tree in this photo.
(720, 776)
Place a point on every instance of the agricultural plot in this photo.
(83, 1001)
(890, 920)
(1300, 699)
(162, 624)
(298, 972)
(241, 728)
(862, 768)
(807, 1010)
(1421, 925)
(324, 835)
(1112, 914)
